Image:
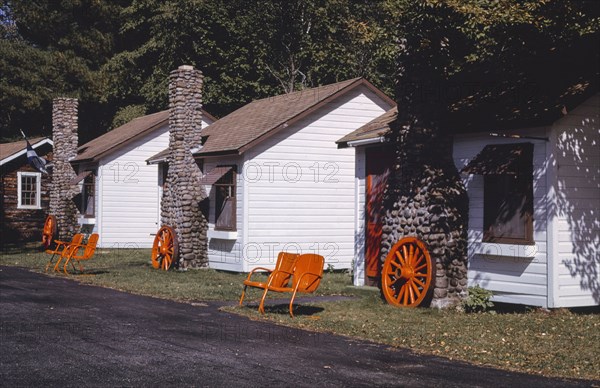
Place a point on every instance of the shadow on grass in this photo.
(299, 310)
(89, 272)
(507, 308)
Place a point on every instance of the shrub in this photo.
(478, 300)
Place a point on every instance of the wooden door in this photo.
(379, 162)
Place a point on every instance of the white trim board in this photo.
(24, 151)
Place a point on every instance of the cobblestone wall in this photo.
(182, 194)
(426, 199)
(64, 137)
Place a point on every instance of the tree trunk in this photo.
(426, 197)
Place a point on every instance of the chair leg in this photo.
(50, 262)
(243, 295)
(261, 306)
(69, 260)
(292, 303)
(56, 268)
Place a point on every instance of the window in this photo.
(225, 206)
(29, 187)
(508, 208)
(88, 197)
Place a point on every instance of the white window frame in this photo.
(38, 190)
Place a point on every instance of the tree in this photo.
(52, 49)
(487, 49)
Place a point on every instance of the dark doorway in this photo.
(379, 162)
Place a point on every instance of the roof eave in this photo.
(24, 151)
(96, 158)
(315, 107)
(210, 154)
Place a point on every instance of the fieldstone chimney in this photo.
(433, 207)
(182, 194)
(64, 136)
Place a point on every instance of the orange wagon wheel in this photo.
(49, 231)
(408, 273)
(165, 248)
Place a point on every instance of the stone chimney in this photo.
(64, 136)
(182, 194)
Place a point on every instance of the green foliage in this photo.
(119, 53)
(127, 113)
(478, 300)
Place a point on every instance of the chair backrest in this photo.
(90, 247)
(312, 264)
(77, 239)
(74, 244)
(285, 262)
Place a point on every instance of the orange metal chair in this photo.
(306, 277)
(280, 276)
(87, 252)
(62, 249)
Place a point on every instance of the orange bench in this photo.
(285, 262)
(305, 278)
(62, 249)
(87, 252)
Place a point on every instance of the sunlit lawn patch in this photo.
(559, 343)
(131, 270)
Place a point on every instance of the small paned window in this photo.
(508, 208)
(225, 204)
(29, 185)
(88, 197)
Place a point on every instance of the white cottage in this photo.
(276, 180)
(534, 195)
(121, 193)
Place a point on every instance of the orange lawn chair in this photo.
(306, 277)
(280, 276)
(87, 251)
(62, 249)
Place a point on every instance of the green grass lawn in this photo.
(560, 343)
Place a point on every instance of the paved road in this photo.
(56, 332)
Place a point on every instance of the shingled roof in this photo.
(256, 121)
(373, 129)
(546, 84)
(10, 151)
(123, 135)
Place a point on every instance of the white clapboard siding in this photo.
(128, 200)
(360, 217)
(576, 206)
(128, 195)
(512, 279)
(226, 254)
(305, 198)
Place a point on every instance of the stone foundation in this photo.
(426, 199)
(64, 137)
(182, 194)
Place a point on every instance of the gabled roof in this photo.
(540, 89)
(125, 134)
(374, 129)
(11, 151)
(258, 120)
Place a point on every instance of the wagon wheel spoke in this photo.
(400, 294)
(420, 267)
(400, 259)
(409, 261)
(420, 283)
(164, 249)
(411, 252)
(417, 256)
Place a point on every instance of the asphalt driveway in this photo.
(57, 332)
